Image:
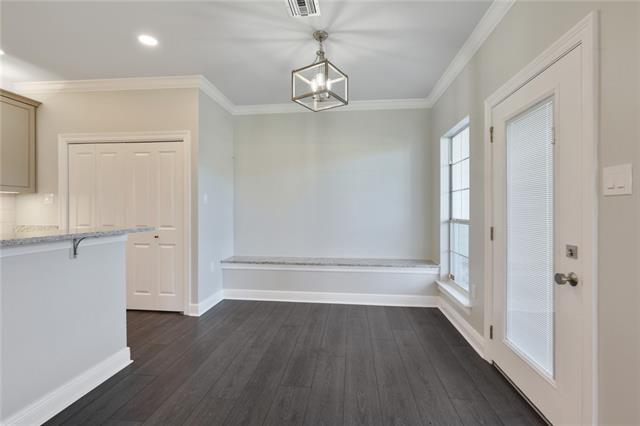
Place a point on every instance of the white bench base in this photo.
(351, 281)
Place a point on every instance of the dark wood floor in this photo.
(271, 363)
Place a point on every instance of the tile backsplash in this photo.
(35, 228)
(7, 213)
(9, 218)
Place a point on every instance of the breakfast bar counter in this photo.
(62, 318)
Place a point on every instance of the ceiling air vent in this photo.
(302, 8)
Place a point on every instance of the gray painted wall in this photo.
(527, 30)
(215, 182)
(333, 184)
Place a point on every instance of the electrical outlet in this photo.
(205, 199)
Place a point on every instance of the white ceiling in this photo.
(389, 49)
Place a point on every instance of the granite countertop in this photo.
(54, 235)
(325, 261)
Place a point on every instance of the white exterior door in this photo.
(136, 184)
(537, 186)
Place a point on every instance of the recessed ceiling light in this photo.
(1, 52)
(147, 40)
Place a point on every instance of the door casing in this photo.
(184, 136)
(585, 33)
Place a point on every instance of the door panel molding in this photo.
(584, 34)
(65, 140)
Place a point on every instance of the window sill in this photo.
(456, 295)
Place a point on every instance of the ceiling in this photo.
(389, 49)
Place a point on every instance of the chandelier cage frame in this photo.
(318, 94)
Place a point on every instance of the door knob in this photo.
(156, 236)
(570, 278)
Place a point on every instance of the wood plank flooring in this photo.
(272, 363)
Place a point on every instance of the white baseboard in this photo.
(453, 293)
(475, 339)
(341, 298)
(197, 309)
(59, 399)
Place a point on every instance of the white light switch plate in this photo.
(617, 180)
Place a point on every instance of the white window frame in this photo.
(446, 198)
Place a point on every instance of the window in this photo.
(458, 220)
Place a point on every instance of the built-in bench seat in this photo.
(409, 265)
(406, 282)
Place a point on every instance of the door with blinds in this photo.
(537, 186)
(135, 184)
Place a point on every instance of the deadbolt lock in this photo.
(571, 251)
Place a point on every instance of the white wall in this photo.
(333, 184)
(527, 30)
(215, 182)
(58, 320)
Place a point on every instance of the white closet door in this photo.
(82, 165)
(110, 185)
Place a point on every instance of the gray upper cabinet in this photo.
(17, 143)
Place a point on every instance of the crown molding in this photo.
(134, 83)
(110, 84)
(214, 93)
(492, 17)
(372, 105)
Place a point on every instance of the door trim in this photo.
(184, 136)
(585, 34)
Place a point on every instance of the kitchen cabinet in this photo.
(17, 143)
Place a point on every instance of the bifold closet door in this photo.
(154, 197)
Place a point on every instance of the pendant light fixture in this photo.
(321, 85)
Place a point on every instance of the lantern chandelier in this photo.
(321, 85)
